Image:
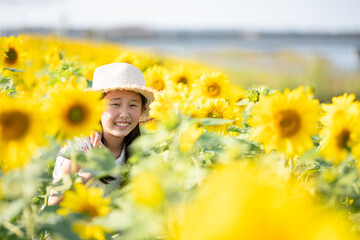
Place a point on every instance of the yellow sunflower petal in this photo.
(285, 121)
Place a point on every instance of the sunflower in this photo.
(127, 57)
(74, 112)
(147, 189)
(237, 94)
(89, 71)
(157, 77)
(341, 129)
(188, 108)
(285, 121)
(53, 57)
(166, 104)
(181, 75)
(189, 137)
(341, 106)
(3, 51)
(85, 201)
(14, 54)
(214, 85)
(339, 137)
(151, 126)
(229, 203)
(88, 230)
(20, 131)
(216, 108)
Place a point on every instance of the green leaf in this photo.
(243, 102)
(215, 121)
(99, 162)
(4, 81)
(11, 210)
(61, 229)
(64, 184)
(88, 83)
(14, 70)
(115, 220)
(234, 128)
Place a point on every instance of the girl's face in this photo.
(123, 113)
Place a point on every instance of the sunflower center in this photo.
(11, 56)
(76, 114)
(342, 139)
(158, 84)
(214, 114)
(288, 122)
(213, 90)
(182, 80)
(90, 210)
(14, 125)
(239, 99)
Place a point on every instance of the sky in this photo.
(264, 15)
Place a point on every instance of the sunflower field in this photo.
(216, 162)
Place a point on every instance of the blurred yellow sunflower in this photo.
(285, 121)
(85, 201)
(238, 119)
(341, 106)
(216, 108)
(213, 85)
(147, 190)
(189, 137)
(229, 203)
(151, 126)
(128, 57)
(157, 77)
(3, 51)
(74, 112)
(185, 99)
(166, 104)
(21, 131)
(53, 57)
(236, 94)
(14, 54)
(88, 71)
(339, 137)
(341, 127)
(189, 108)
(87, 230)
(182, 75)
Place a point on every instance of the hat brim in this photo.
(148, 93)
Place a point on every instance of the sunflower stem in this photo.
(292, 165)
(29, 221)
(196, 165)
(73, 162)
(91, 180)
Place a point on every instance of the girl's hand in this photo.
(96, 139)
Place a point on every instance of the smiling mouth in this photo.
(122, 124)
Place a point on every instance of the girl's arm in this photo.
(64, 168)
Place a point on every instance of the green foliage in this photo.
(7, 86)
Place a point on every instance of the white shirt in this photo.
(85, 146)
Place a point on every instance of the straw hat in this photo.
(123, 76)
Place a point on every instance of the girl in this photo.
(128, 99)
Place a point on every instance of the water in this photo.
(341, 52)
